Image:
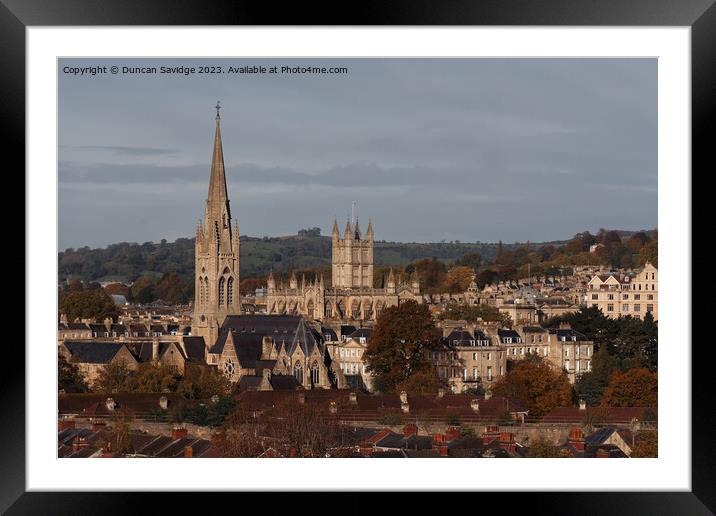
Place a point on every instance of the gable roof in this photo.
(92, 352)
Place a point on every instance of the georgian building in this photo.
(621, 295)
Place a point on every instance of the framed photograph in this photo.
(431, 234)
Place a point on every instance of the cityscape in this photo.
(350, 345)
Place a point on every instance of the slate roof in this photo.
(91, 352)
(568, 334)
(361, 332)
(195, 348)
(461, 336)
(281, 382)
(248, 332)
(504, 333)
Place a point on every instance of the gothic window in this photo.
(314, 374)
(229, 368)
(298, 372)
(230, 291)
(221, 291)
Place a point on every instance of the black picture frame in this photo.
(700, 15)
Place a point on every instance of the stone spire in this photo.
(348, 233)
(217, 203)
(335, 233)
(356, 229)
(369, 230)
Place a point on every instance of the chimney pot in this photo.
(110, 404)
(488, 395)
(188, 452)
(332, 407)
(353, 398)
(475, 405)
(163, 402)
(403, 397)
(441, 392)
(179, 432)
(582, 405)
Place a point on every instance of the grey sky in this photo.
(430, 149)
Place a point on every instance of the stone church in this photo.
(351, 297)
(258, 352)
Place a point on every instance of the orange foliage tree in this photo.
(537, 384)
(633, 388)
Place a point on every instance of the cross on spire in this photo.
(218, 107)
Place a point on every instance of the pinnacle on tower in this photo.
(357, 230)
(348, 233)
(335, 233)
(369, 231)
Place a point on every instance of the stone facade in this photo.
(622, 295)
(216, 254)
(351, 296)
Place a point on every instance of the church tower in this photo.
(352, 257)
(216, 259)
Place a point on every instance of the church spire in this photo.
(218, 199)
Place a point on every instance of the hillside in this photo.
(126, 262)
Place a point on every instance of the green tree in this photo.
(69, 378)
(114, 377)
(589, 388)
(474, 313)
(473, 260)
(402, 338)
(203, 382)
(88, 304)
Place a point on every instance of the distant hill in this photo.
(127, 261)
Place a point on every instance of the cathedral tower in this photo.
(352, 257)
(216, 261)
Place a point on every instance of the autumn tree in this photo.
(646, 445)
(459, 278)
(69, 378)
(88, 304)
(119, 289)
(537, 384)
(633, 388)
(398, 349)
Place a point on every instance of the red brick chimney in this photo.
(452, 433)
(492, 432)
(443, 450)
(576, 439)
(179, 432)
(410, 429)
(188, 452)
(438, 438)
(292, 452)
(507, 441)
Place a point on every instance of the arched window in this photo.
(221, 291)
(230, 291)
(298, 372)
(315, 374)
